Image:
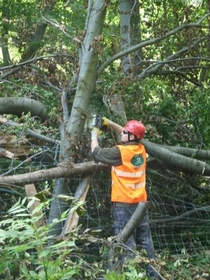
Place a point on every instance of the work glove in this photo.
(106, 122)
(95, 132)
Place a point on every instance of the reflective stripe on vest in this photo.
(129, 174)
(136, 186)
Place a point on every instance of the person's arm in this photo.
(95, 132)
(118, 128)
(94, 139)
(110, 156)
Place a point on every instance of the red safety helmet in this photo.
(136, 128)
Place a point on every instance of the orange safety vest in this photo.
(129, 179)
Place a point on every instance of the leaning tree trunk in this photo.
(57, 206)
(85, 86)
(177, 160)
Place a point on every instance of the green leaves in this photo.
(23, 240)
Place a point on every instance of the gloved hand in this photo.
(106, 122)
(95, 133)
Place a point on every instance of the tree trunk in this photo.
(130, 34)
(19, 105)
(57, 207)
(189, 152)
(38, 35)
(5, 32)
(180, 161)
(86, 83)
(88, 63)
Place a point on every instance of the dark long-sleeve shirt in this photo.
(109, 156)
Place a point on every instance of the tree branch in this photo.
(151, 42)
(29, 132)
(15, 67)
(5, 153)
(19, 105)
(177, 160)
(38, 35)
(182, 216)
(189, 152)
(52, 173)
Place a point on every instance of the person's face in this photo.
(125, 136)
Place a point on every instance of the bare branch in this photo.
(29, 159)
(185, 215)
(15, 67)
(52, 173)
(29, 132)
(151, 42)
(57, 25)
(152, 69)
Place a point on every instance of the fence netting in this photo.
(179, 208)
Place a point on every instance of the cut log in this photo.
(5, 153)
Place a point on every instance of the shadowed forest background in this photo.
(126, 59)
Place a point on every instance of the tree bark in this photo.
(38, 35)
(189, 152)
(130, 34)
(19, 105)
(87, 74)
(57, 207)
(180, 161)
(84, 168)
(73, 128)
(61, 171)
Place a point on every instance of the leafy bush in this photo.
(25, 252)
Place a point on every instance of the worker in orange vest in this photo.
(128, 174)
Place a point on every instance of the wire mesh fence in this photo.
(179, 210)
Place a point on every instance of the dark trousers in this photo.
(141, 236)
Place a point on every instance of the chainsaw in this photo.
(93, 120)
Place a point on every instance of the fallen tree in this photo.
(67, 170)
(19, 105)
(52, 173)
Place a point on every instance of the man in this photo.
(128, 161)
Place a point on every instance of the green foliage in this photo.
(199, 115)
(26, 254)
(173, 102)
(187, 267)
(25, 251)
